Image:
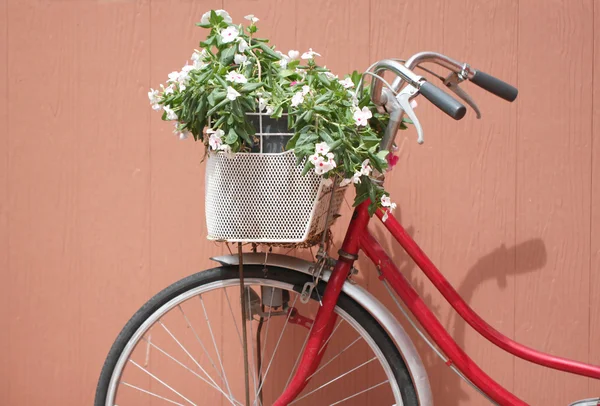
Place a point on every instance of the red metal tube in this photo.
(325, 318)
(411, 298)
(483, 328)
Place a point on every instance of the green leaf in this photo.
(407, 120)
(278, 112)
(227, 55)
(307, 139)
(307, 167)
(286, 72)
(268, 51)
(248, 87)
(217, 107)
(326, 137)
(324, 79)
(321, 109)
(292, 142)
(231, 136)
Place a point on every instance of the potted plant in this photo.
(334, 131)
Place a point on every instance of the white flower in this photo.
(229, 34)
(250, 17)
(293, 54)
(180, 77)
(242, 45)
(168, 90)
(171, 115)
(365, 168)
(283, 62)
(154, 99)
(214, 139)
(323, 166)
(198, 59)
(362, 116)
(182, 134)
(310, 54)
(387, 202)
(269, 110)
(262, 103)
(321, 148)
(297, 99)
(232, 94)
(354, 179)
(235, 77)
(153, 96)
(315, 159)
(388, 205)
(173, 77)
(347, 83)
(354, 98)
(221, 13)
(331, 75)
(413, 104)
(305, 90)
(240, 59)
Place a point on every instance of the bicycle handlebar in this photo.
(495, 86)
(395, 100)
(443, 100)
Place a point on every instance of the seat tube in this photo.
(326, 318)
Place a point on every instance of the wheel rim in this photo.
(308, 395)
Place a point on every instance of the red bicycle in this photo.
(267, 328)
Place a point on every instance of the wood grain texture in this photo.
(400, 29)
(594, 322)
(113, 184)
(79, 176)
(4, 245)
(553, 192)
(478, 187)
(43, 226)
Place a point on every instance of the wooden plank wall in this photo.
(100, 206)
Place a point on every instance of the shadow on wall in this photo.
(496, 265)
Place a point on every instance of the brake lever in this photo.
(452, 82)
(408, 93)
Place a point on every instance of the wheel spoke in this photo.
(201, 343)
(152, 394)
(330, 336)
(193, 359)
(233, 317)
(334, 357)
(359, 393)
(215, 345)
(161, 382)
(277, 345)
(190, 370)
(252, 354)
(334, 379)
(264, 346)
(298, 356)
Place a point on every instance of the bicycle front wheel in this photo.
(184, 347)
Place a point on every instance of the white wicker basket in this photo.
(264, 198)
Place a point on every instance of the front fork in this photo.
(326, 318)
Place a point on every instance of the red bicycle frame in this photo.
(358, 238)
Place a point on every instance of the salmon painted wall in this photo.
(101, 206)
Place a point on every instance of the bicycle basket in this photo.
(264, 198)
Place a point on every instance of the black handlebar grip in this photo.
(443, 101)
(495, 86)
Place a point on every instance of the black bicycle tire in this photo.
(375, 330)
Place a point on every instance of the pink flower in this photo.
(392, 160)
